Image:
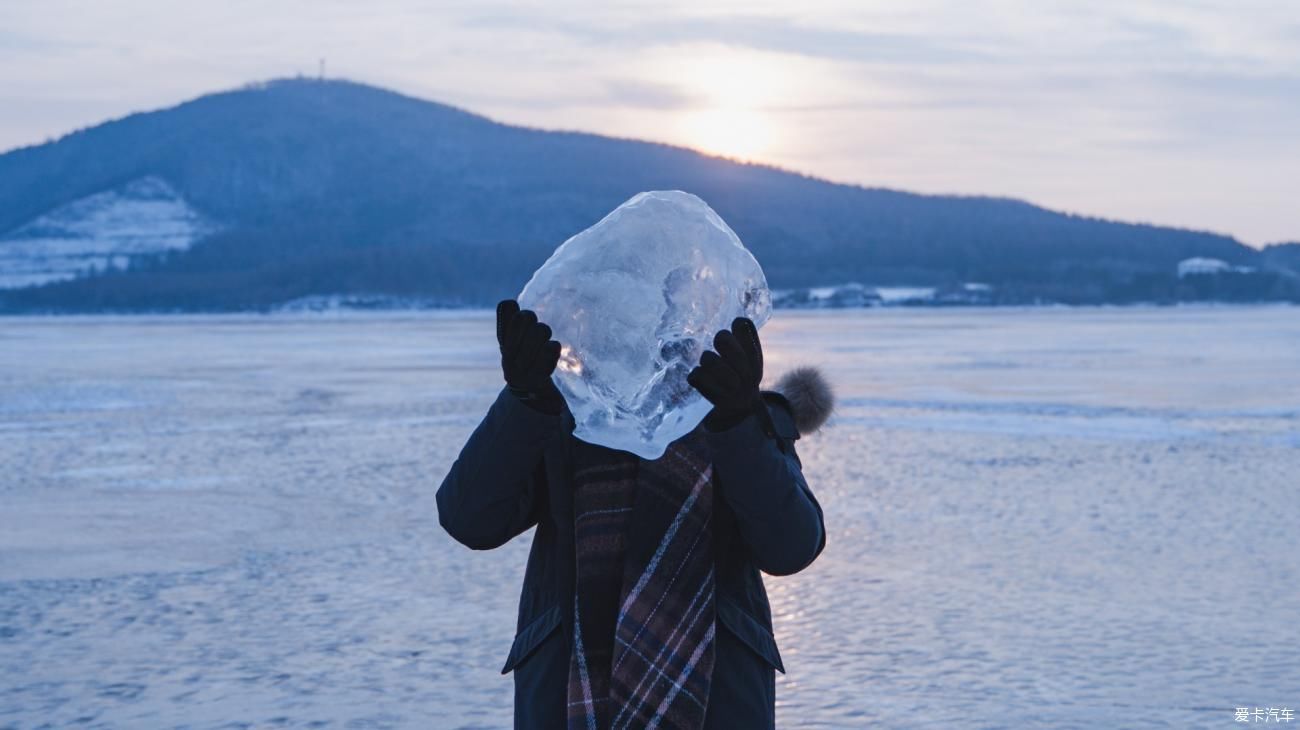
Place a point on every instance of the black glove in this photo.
(729, 378)
(528, 357)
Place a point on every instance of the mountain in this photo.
(1283, 255)
(298, 188)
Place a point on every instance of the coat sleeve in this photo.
(761, 479)
(491, 493)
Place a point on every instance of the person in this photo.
(642, 603)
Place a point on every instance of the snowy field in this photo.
(1036, 518)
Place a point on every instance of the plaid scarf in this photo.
(642, 653)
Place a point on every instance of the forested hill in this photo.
(300, 187)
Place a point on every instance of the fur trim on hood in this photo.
(810, 397)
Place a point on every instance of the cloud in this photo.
(761, 33)
(15, 44)
(648, 94)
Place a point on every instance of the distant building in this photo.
(838, 296)
(970, 292)
(857, 295)
(853, 295)
(1197, 266)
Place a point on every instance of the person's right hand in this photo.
(528, 357)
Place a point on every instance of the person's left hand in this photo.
(729, 378)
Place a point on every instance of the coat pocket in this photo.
(531, 636)
(750, 632)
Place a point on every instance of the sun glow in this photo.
(735, 93)
(739, 133)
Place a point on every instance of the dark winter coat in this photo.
(515, 472)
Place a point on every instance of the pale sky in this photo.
(1179, 112)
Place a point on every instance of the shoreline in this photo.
(454, 312)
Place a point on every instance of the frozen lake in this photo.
(1036, 518)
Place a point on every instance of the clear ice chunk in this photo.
(634, 301)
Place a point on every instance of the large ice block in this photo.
(634, 300)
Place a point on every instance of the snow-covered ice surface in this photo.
(101, 231)
(1036, 518)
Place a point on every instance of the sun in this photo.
(734, 93)
(739, 133)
